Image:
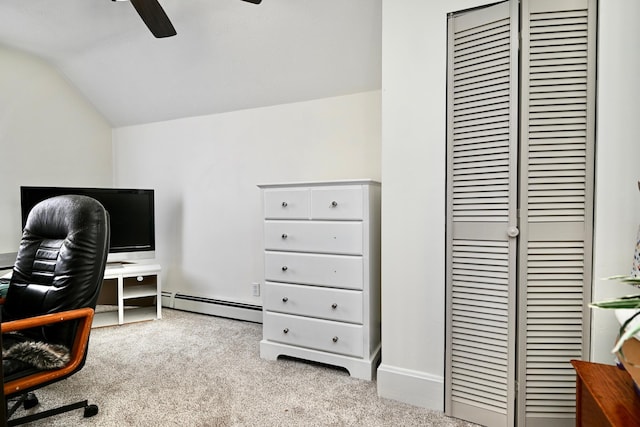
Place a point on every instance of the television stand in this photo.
(131, 292)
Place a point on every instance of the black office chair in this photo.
(49, 306)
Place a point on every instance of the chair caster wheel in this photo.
(90, 410)
(30, 401)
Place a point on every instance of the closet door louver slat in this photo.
(556, 205)
(482, 198)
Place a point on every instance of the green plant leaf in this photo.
(617, 277)
(629, 280)
(630, 301)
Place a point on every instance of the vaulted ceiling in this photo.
(228, 54)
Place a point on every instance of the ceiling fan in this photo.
(156, 19)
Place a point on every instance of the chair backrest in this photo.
(60, 263)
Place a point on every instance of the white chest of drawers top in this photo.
(321, 298)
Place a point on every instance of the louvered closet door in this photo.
(481, 186)
(557, 108)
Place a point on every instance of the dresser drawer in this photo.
(337, 271)
(325, 335)
(318, 236)
(286, 203)
(325, 303)
(337, 203)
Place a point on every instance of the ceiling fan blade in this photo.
(253, 1)
(154, 17)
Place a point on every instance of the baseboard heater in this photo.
(215, 307)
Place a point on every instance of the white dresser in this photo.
(321, 297)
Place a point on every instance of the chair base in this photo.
(29, 400)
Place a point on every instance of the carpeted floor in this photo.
(195, 370)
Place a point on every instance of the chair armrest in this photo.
(47, 319)
(84, 315)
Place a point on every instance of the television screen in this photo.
(131, 213)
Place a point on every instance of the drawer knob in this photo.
(334, 339)
(285, 268)
(334, 305)
(284, 204)
(285, 330)
(285, 299)
(334, 204)
(284, 235)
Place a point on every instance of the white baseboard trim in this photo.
(214, 307)
(412, 387)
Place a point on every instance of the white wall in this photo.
(617, 215)
(413, 194)
(413, 164)
(49, 135)
(205, 171)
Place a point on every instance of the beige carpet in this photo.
(195, 370)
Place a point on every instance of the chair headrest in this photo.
(61, 260)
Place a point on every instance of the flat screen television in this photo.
(131, 212)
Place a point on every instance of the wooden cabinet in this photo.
(605, 396)
(321, 298)
(131, 292)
